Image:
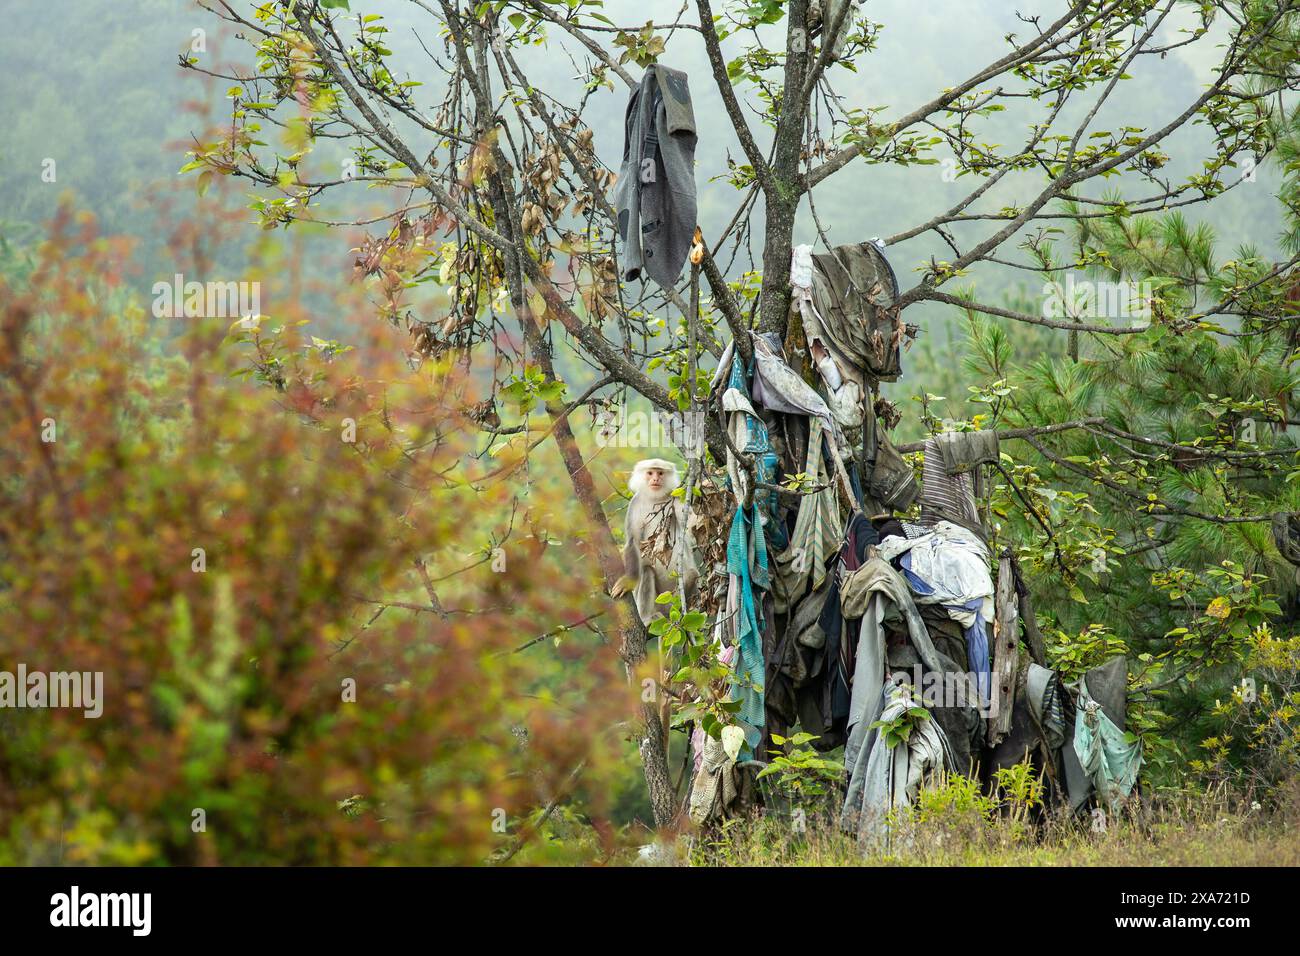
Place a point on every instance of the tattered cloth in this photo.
(950, 478)
(1108, 758)
(747, 561)
(854, 291)
(655, 194)
(714, 789)
(1046, 699)
(779, 388)
(815, 535)
(863, 594)
(890, 779)
(842, 376)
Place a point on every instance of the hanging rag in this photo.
(655, 195)
(867, 594)
(947, 496)
(883, 779)
(1046, 699)
(713, 789)
(854, 291)
(802, 566)
(892, 482)
(1110, 761)
(843, 379)
(749, 434)
(828, 708)
(963, 451)
(747, 563)
(778, 387)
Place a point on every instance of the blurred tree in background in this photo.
(250, 579)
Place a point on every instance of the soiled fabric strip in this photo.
(777, 388)
(885, 779)
(813, 540)
(747, 560)
(1109, 760)
(726, 656)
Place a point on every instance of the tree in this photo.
(507, 172)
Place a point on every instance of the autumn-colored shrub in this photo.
(308, 653)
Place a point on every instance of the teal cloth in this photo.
(766, 461)
(1110, 761)
(747, 559)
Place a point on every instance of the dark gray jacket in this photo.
(655, 194)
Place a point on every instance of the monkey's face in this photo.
(654, 479)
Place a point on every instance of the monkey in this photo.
(654, 513)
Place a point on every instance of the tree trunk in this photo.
(778, 243)
(632, 646)
(633, 637)
(785, 185)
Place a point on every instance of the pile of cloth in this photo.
(779, 549)
(949, 566)
(809, 606)
(837, 615)
(829, 599)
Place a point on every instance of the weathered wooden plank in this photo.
(1006, 623)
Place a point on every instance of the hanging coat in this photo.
(655, 194)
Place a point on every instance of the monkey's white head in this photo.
(653, 476)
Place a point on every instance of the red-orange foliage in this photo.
(223, 687)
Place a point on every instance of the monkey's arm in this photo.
(631, 553)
